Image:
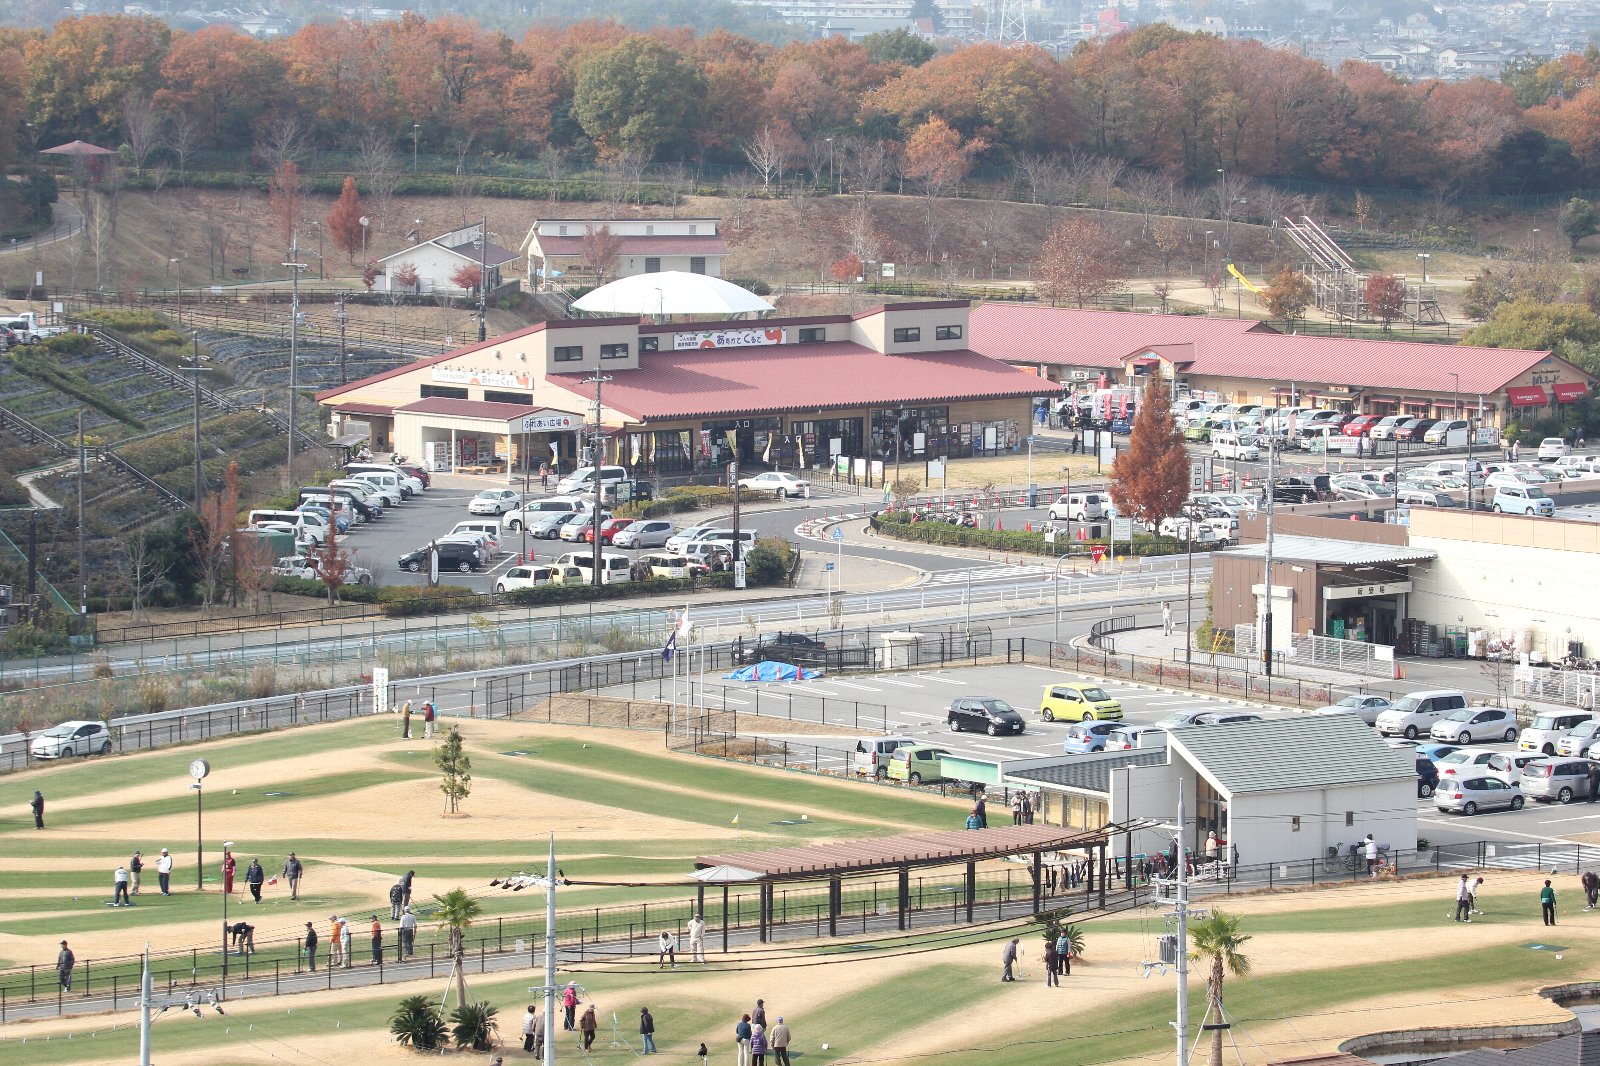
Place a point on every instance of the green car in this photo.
(916, 764)
(1200, 431)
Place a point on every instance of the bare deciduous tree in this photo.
(184, 138)
(768, 155)
(1046, 177)
(212, 533)
(1079, 262)
(145, 573)
(280, 141)
(141, 126)
(553, 165)
(865, 163)
(379, 172)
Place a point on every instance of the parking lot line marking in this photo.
(922, 714)
(1011, 751)
(891, 681)
(729, 699)
(846, 684)
(939, 678)
(1175, 703)
(1579, 818)
(820, 691)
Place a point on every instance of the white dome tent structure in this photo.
(671, 292)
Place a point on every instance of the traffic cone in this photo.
(999, 524)
(1027, 527)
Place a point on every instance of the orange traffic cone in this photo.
(1027, 527)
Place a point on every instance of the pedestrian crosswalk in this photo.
(1563, 857)
(987, 573)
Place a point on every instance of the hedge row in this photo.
(45, 369)
(417, 185)
(398, 601)
(1020, 540)
(677, 501)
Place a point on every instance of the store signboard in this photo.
(729, 338)
(465, 375)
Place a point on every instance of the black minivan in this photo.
(984, 715)
(453, 555)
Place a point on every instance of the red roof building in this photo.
(559, 246)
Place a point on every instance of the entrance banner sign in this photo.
(729, 338)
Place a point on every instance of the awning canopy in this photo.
(1527, 395)
(671, 292)
(1570, 391)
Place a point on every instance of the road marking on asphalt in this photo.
(940, 678)
(892, 681)
(1579, 818)
(730, 699)
(847, 684)
(922, 714)
(1176, 703)
(1009, 751)
(821, 691)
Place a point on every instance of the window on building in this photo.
(613, 351)
(569, 353)
(561, 231)
(697, 264)
(448, 392)
(947, 333)
(1349, 818)
(508, 397)
(811, 334)
(693, 229)
(652, 264)
(907, 334)
(1294, 823)
(649, 231)
(649, 344)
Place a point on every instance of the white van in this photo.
(411, 485)
(305, 525)
(532, 577)
(581, 480)
(871, 757)
(666, 565)
(1232, 446)
(483, 526)
(387, 483)
(537, 509)
(1078, 507)
(614, 567)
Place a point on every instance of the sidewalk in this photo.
(1151, 643)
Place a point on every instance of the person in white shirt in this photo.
(408, 934)
(1463, 900)
(666, 951)
(164, 872)
(697, 939)
(1372, 856)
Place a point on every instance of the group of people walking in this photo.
(753, 1038)
(128, 877)
(1057, 959)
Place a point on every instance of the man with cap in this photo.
(335, 954)
(164, 872)
(38, 809)
(408, 934)
(778, 1037)
(65, 961)
(119, 888)
(345, 935)
(292, 870)
(135, 868)
(397, 895)
(254, 876)
(311, 947)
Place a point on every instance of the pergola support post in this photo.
(724, 919)
(766, 911)
(1102, 874)
(834, 895)
(903, 899)
(972, 887)
(700, 901)
(1038, 882)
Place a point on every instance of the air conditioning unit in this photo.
(1080, 375)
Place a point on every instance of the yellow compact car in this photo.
(1078, 701)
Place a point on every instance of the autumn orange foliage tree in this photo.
(344, 220)
(284, 195)
(1150, 480)
(1079, 262)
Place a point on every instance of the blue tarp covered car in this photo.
(772, 672)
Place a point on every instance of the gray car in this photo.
(1368, 707)
(1474, 794)
(650, 533)
(548, 526)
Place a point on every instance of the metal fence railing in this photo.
(1575, 688)
(1327, 653)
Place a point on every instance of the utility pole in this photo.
(483, 286)
(344, 318)
(550, 951)
(595, 463)
(1266, 615)
(83, 571)
(1181, 1024)
(738, 554)
(294, 348)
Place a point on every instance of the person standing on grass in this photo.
(135, 868)
(119, 888)
(981, 809)
(397, 895)
(1463, 900)
(759, 1015)
(164, 872)
(778, 1037)
(758, 1045)
(377, 941)
(334, 956)
(741, 1038)
(405, 887)
(1008, 959)
(1591, 889)
(587, 1025)
(229, 864)
(972, 821)
(38, 809)
(311, 947)
(427, 720)
(254, 875)
(408, 935)
(405, 721)
(293, 870)
(345, 936)
(530, 1027)
(666, 951)
(1547, 903)
(1051, 969)
(569, 1006)
(697, 939)
(647, 1031)
(65, 961)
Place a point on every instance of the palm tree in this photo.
(456, 912)
(1217, 939)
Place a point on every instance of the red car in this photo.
(1361, 425)
(610, 527)
(417, 472)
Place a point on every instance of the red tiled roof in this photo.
(328, 394)
(485, 409)
(687, 244)
(799, 377)
(1021, 333)
(360, 407)
(1408, 366)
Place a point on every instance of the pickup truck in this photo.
(305, 568)
(28, 328)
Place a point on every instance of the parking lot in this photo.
(913, 704)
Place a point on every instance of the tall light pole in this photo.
(180, 288)
(483, 286)
(1456, 376)
(321, 274)
(1424, 256)
(595, 463)
(196, 369)
(366, 224)
(344, 319)
(415, 129)
(226, 845)
(1266, 614)
(294, 347)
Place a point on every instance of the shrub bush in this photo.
(677, 501)
(1019, 540)
(70, 344)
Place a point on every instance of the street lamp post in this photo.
(598, 379)
(416, 128)
(366, 224)
(295, 267)
(1424, 256)
(321, 275)
(483, 286)
(196, 369)
(344, 318)
(226, 845)
(1456, 377)
(1055, 582)
(180, 288)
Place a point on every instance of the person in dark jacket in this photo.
(405, 885)
(311, 947)
(587, 1026)
(397, 893)
(38, 809)
(647, 1030)
(293, 870)
(135, 868)
(65, 961)
(255, 876)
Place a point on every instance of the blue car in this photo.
(1085, 737)
(1435, 752)
(341, 521)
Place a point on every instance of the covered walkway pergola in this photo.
(902, 853)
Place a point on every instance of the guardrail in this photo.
(1099, 633)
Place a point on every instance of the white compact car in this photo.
(71, 739)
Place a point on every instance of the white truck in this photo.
(28, 328)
